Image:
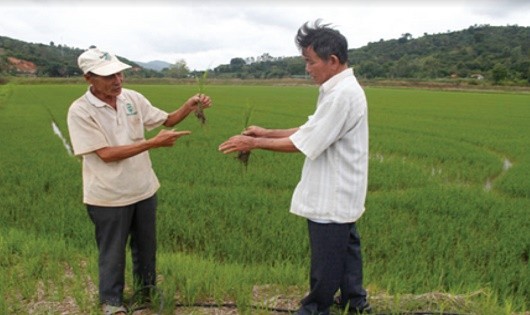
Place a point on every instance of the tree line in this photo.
(496, 53)
(481, 52)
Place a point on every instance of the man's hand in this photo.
(197, 102)
(254, 131)
(238, 143)
(199, 99)
(166, 138)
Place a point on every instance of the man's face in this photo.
(320, 70)
(107, 86)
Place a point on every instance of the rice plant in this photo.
(244, 156)
(429, 225)
(199, 112)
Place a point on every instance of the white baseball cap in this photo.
(100, 62)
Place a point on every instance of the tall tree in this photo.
(178, 70)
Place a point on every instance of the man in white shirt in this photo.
(106, 127)
(332, 189)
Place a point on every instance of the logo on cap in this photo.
(105, 56)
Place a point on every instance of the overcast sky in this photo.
(206, 33)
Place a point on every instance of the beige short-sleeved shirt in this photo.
(93, 125)
(335, 142)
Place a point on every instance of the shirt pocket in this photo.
(135, 127)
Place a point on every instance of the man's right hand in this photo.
(166, 138)
(254, 131)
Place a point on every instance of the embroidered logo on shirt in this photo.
(130, 109)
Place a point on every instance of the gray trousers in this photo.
(113, 227)
(336, 263)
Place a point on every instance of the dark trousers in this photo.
(336, 263)
(113, 227)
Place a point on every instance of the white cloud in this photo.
(209, 33)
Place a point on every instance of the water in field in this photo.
(58, 132)
(506, 165)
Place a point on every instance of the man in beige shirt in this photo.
(106, 127)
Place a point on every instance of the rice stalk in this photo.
(199, 112)
(243, 156)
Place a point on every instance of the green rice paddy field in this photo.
(447, 225)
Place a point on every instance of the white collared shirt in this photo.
(93, 125)
(334, 178)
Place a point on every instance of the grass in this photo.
(433, 236)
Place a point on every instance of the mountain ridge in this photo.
(493, 53)
(156, 65)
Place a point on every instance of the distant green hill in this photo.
(51, 60)
(156, 65)
(493, 53)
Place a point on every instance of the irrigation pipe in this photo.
(291, 311)
(233, 305)
(256, 307)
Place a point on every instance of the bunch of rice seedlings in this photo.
(199, 112)
(243, 156)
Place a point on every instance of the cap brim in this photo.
(111, 68)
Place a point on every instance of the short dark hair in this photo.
(324, 40)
